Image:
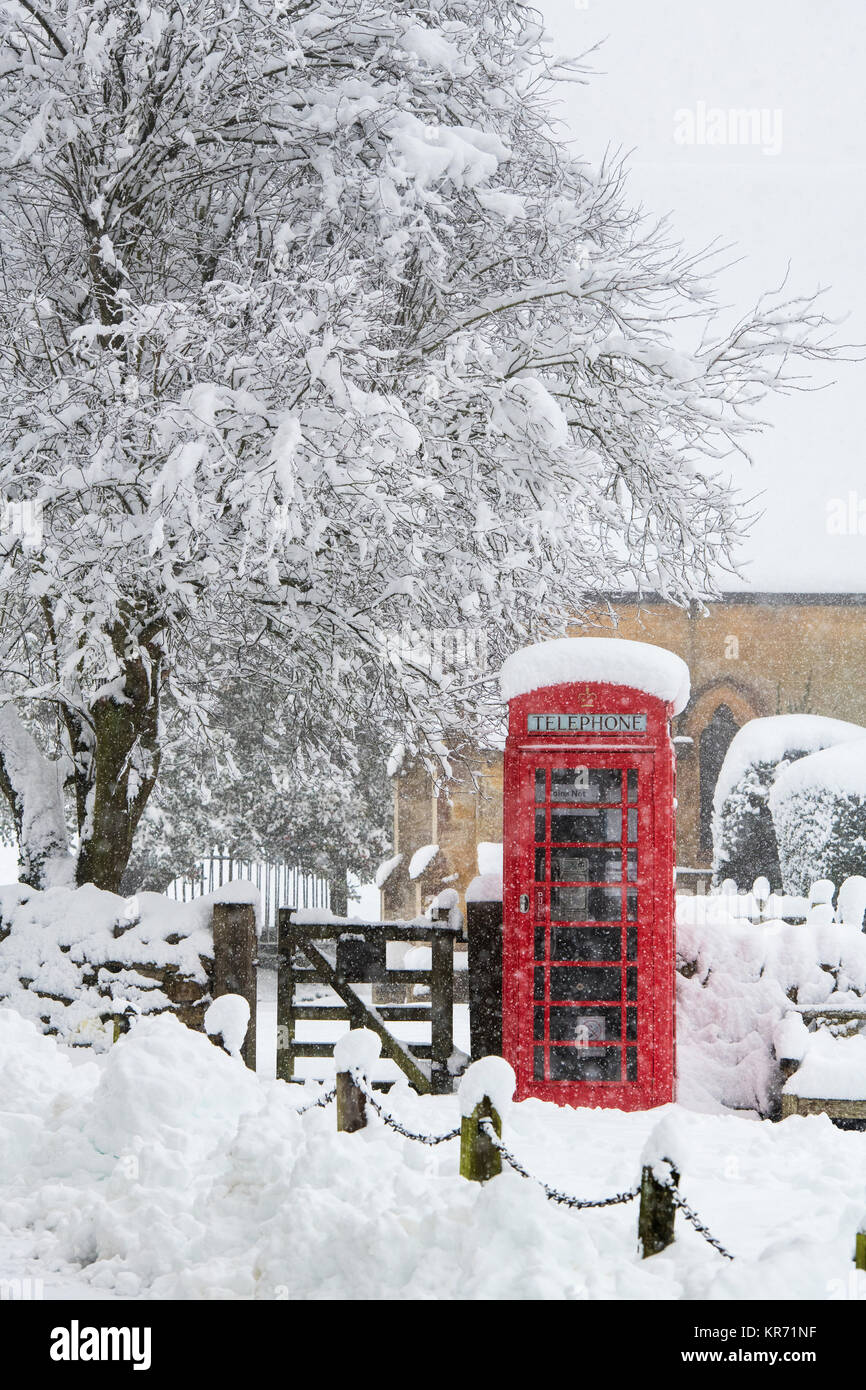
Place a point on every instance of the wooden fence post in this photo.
(351, 1104)
(484, 934)
(285, 995)
(655, 1226)
(357, 1052)
(441, 1008)
(479, 1157)
(234, 962)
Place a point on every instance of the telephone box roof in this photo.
(612, 660)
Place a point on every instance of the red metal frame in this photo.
(651, 755)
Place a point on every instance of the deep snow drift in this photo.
(164, 1169)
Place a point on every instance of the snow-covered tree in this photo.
(744, 833)
(818, 807)
(311, 326)
(275, 797)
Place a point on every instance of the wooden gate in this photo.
(427, 1065)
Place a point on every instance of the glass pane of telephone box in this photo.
(540, 825)
(538, 1021)
(538, 1064)
(603, 827)
(539, 865)
(539, 983)
(585, 784)
(632, 827)
(585, 943)
(540, 778)
(585, 904)
(585, 1064)
(590, 865)
(540, 935)
(582, 1025)
(585, 982)
(632, 784)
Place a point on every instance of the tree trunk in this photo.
(339, 886)
(125, 762)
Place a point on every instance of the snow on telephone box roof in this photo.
(612, 660)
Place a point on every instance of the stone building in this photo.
(750, 655)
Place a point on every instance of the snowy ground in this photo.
(164, 1169)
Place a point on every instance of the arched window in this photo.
(714, 743)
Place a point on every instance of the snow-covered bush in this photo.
(744, 839)
(818, 807)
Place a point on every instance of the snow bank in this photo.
(165, 1170)
(615, 660)
(69, 955)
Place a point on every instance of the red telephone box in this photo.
(588, 944)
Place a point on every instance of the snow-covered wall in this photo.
(736, 983)
(71, 955)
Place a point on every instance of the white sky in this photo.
(806, 205)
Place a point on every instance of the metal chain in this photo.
(696, 1221)
(394, 1123)
(553, 1193)
(319, 1103)
(620, 1198)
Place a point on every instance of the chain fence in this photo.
(392, 1121)
(554, 1194)
(694, 1220)
(319, 1103)
(564, 1198)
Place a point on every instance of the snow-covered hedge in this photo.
(818, 807)
(69, 956)
(744, 838)
(736, 984)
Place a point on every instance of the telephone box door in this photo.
(585, 891)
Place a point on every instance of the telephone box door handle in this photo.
(524, 902)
